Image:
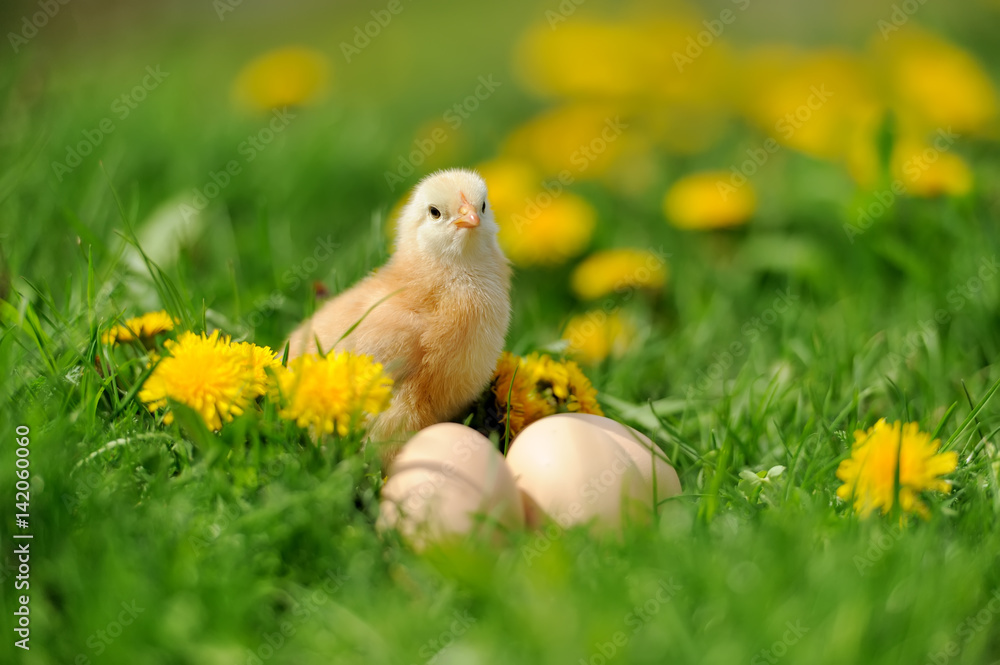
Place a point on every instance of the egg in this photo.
(574, 473)
(449, 481)
(646, 455)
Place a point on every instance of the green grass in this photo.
(256, 541)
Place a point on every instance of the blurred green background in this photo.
(250, 137)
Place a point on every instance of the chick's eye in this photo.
(435, 213)
(484, 206)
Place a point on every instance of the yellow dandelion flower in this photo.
(933, 83)
(615, 270)
(584, 58)
(559, 231)
(869, 475)
(206, 373)
(539, 226)
(549, 230)
(334, 393)
(927, 171)
(540, 386)
(290, 76)
(582, 397)
(582, 139)
(595, 335)
(809, 101)
(708, 200)
(140, 327)
(258, 359)
(637, 58)
(510, 182)
(525, 407)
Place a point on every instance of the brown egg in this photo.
(449, 481)
(647, 455)
(574, 473)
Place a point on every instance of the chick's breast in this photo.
(463, 344)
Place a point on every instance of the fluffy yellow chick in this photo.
(442, 324)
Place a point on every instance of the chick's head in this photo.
(449, 217)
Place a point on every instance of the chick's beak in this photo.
(468, 218)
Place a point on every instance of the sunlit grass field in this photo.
(808, 260)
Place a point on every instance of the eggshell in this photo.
(575, 473)
(449, 481)
(646, 454)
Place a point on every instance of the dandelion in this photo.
(145, 326)
(933, 83)
(584, 58)
(290, 76)
(869, 475)
(637, 58)
(510, 181)
(334, 393)
(595, 335)
(708, 200)
(537, 228)
(560, 231)
(612, 270)
(535, 386)
(552, 141)
(260, 360)
(210, 375)
(810, 101)
(946, 174)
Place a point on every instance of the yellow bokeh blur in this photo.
(812, 104)
(933, 84)
(595, 335)
(541, 223)
(617, 270)
(289, 76)
(928, 170)
(708, 200)
(581, 140)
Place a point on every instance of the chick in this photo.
(446, 308)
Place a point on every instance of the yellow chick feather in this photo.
(445, 307)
